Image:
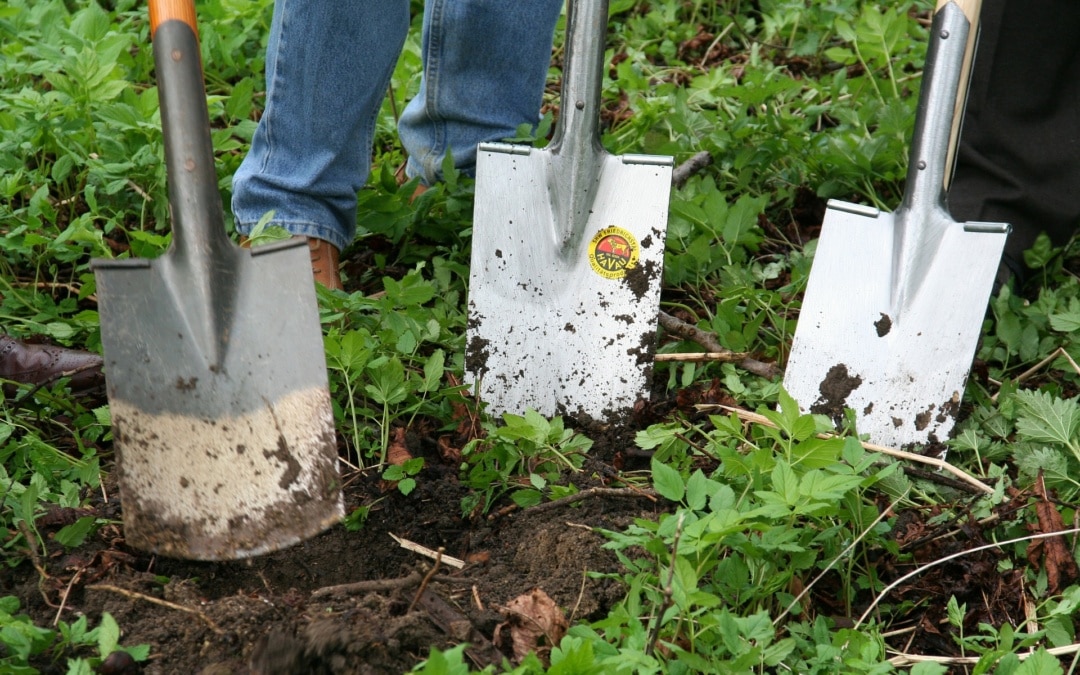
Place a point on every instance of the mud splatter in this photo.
(835, 388)
(922, 420)
(640, 278)
(883, 325)
(476, 356)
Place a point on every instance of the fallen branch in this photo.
(707, 340)
(135, 595)
(590, 493)
(682, 173)
(382, 585)
(748, 416)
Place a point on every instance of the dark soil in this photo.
(294, 611)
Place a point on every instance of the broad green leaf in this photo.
(667, 481)
(75, 534)
(1068, 321)
(108, 634)
(1046, 418)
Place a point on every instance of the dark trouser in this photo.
(1019, 157)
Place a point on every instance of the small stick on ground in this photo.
(590, 493)
(682, 173)
(64, 597)
(35, 560)
(922, 568)
(373, 586)
(135, 595)
(1022, 377)
(709, 342)
(427, 579)
(669, 591)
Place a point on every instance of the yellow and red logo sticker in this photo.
(612, 252)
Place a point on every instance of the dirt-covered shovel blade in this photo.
(895, 301)
(216, 374)
(567, 255)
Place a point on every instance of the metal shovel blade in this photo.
(567, 255)
(214, 358)
(895, 301)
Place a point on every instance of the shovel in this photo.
(567, 254)
(214, 357)
(895, 301)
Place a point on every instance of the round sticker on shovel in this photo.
(612, 252)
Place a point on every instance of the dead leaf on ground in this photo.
(1057, 559)
(534, 623)
(447, 451)
(398, 453)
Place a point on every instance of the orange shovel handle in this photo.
(172, 10)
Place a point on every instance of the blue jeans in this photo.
(327, 69)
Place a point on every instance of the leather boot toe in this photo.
(324, 263)
(40, 364)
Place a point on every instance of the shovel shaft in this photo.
(198, 220)
(941, 104)
(577, 155)
(586, 24)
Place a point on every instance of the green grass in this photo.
(795, 102)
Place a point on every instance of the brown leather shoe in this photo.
(41, 364)
(324, 263)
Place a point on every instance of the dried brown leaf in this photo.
(534, 623)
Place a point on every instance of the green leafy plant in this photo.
(525, 447)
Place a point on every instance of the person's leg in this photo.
(1019, 157)
(327, 69)
(485, 66)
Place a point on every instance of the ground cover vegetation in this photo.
(713, 540)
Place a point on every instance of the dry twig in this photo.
(922, 568)
(701, 357)
(135, 595)
(427, 552)
(427, 579)
(669, 591)
(593, 492)
(1027, 374)
(372, 586)
(748, 416)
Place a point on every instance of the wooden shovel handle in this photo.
(170, 10)
(971, 9)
